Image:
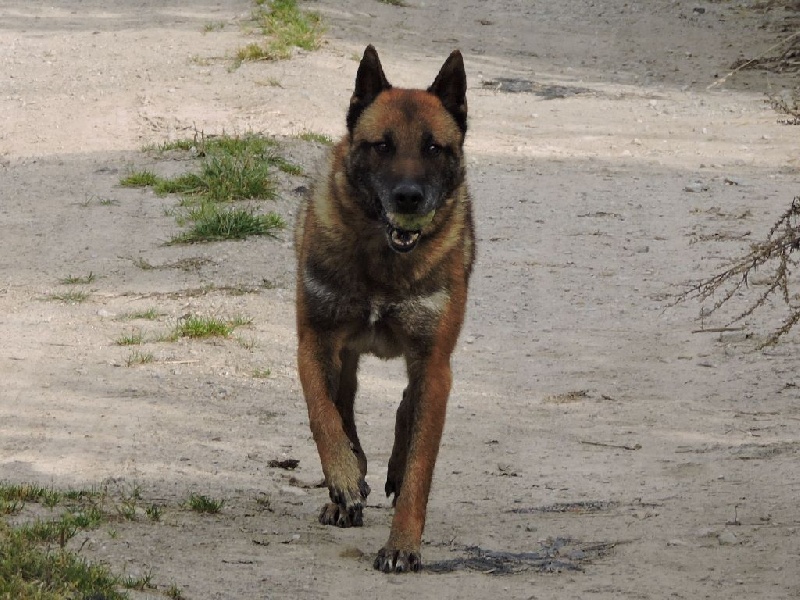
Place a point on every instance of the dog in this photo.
(385, 245)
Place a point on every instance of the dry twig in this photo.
(773, 254)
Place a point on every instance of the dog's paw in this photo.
(391, 560)
(333, 514)
(347, 506)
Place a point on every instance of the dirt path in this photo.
(596, 446)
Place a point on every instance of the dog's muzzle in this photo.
(405, 230)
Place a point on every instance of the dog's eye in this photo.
(382, 148)
(433, 149)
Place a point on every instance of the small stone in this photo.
(696, 187)
(727, 538)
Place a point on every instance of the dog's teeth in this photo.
(404, 238)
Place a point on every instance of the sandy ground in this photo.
(593, 436)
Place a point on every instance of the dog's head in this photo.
(406, 147)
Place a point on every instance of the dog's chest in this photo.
(376, 323)
(386, 323)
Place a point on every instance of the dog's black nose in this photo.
(407, 197)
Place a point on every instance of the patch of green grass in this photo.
(127, 509)
(197, 327)
(151, 314)
(140, 583)
(227, 176)
(233, 168)
(28, 572)
(253, 52)
(63, 529)
(26, 492)
(262, 373)
(137, 357)
(204, 504)
(130, 339)
(71, 297)
(213, 26)
(289, 167)
(153, 512)
(34, 562)
(211, 223)
(142, 178)
(174, 592)
(203, 145)
(72, 280)
(320, 138)
(285, 27)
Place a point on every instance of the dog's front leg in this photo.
(320, 368)
(428, 391)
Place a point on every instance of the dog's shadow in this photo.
(553, 555)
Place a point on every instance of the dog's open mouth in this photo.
(404, 230)
(401, 240)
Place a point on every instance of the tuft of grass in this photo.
(198, 327)
(71, 297)
(213, 26)
(288, 167)
(174, 592)
(130, 339)
(143, 264)
(184, 145)
(137, 357)
(28, 572)
(151, 314)
(29, 493)
(270, 82)
(34, 562)
(72, 280)
(204, 504)
(285, 27)
(63, 529)
(253, 52)
(212, 223)
(202, 145)
(399, 3)
(311, 136)
(262, 373)
(153, 512)
(142, 178)
(233, 168)
(140, 583)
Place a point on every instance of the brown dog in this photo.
(385, 246)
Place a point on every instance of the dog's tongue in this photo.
(403, 241)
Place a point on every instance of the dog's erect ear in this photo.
(450, 86)
(370, 81)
